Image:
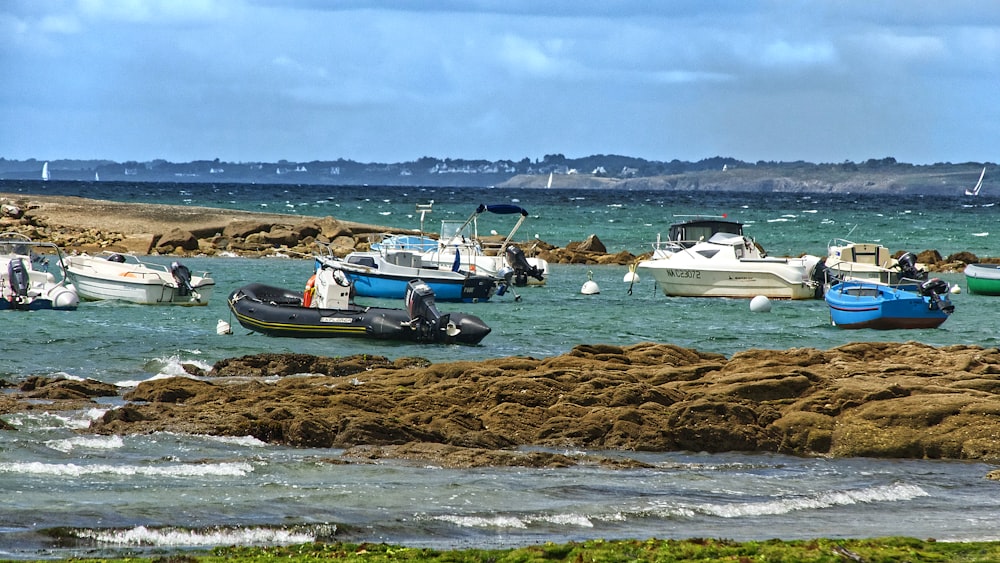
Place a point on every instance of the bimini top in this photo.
(502, 209)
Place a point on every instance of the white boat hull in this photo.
(732, 265)
(773, 278)
(98, 279)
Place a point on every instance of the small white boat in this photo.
(729, 265)
(869, 262)
(26, 282)
(124, 277)
(460, 244)
(979, 184)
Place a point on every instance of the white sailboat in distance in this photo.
(979, 184)
(45, 172)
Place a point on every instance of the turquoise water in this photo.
(146, 492)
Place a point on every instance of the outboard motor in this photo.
(182, 275)
(19, 280)
(937, 289)
(424, 316)
(522, 269)
(907, 264)
(821, 276)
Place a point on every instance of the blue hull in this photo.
(393, 288)
(877, 306)
(464, 289)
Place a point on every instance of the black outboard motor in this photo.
(822, 275)
(937, 290)
(907, 264)
(182, 275)
(522, 269)
(19, 280)
(424, 316)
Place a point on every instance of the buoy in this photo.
(631, 276)
(223, 327)
(956, 289)
(590, 286)
(310, 290)
(760, 304)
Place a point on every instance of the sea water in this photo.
(111, 494)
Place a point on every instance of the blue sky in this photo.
(380, 81)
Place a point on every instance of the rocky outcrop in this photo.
(864, 399)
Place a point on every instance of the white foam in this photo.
(519, 522)
(179, 470)
(888, 493)
(47, 420)
(87, 442)
(245, 441)
(173, 537)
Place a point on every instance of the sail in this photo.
(45, 171)
(979, 184)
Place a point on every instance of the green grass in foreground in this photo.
(693, 550)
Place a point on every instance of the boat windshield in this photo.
(726, 238)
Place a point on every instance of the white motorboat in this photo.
(26, 282)
(124, 277)
(460, 247)
(869, 262)
(731, 265)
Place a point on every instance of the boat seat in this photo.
(405, 258)
(874, 254)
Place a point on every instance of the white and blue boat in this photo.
(387, 273)
(867, 304)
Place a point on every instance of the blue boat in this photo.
(866, 304)
(387, 275)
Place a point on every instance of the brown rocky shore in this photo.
(889, 400)
(85, 225)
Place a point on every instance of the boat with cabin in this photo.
(732, 265)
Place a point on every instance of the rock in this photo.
(245, 228)
(38, 387)
(175, 238)
(591, 244)
(865, 399)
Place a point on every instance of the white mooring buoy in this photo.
(760, 304)
(631, 276)
(590, 286)
(222, 327)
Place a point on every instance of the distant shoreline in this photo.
(555, 171)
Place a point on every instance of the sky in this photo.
(394, 81)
